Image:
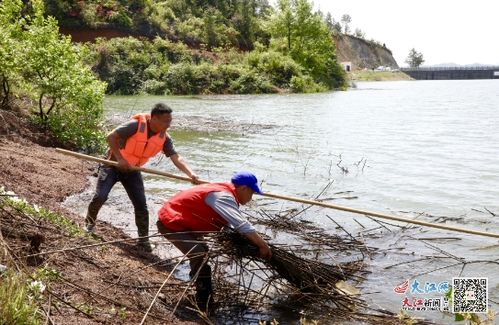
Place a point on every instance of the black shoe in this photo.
(145, 246)
(208, 308)
(204, 300)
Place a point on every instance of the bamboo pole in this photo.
(115, 164)
(295, 199)
(382, 215)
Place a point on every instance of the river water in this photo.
(425, 149)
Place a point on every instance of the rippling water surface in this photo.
(421, 146)
(405, 148)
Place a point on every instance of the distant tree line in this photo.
(227, 46)
(189, 47)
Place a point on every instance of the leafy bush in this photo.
(121, 63)
(251, 83)
(191, 30)
(49, 68)
(10, 61)
(178, 79)
(153, 87)
(226, 73)
(278, 67)
(305, 84)
(131, 66)
(173, 52)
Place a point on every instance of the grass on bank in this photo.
(17, 299)
(20, 293)
(9, 199)
(371, 75)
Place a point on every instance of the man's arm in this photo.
(225, 205)
(113, 139)
(263, 248)
(181, 164)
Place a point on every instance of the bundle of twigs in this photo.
(307, 275)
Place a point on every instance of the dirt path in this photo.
(108, 284)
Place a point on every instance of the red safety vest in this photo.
(138, 148)
(187, 211)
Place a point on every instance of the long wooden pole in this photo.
(295, 199)
(114, 163)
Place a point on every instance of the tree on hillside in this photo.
(283, 22)
(305, 36)
(333, 26)
(247, 21)
(10, 61)
(359, 33)
(415, 58)
(49, 70)
(329, 21)
(346, 20)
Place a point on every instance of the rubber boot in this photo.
(204, 288)
(142, 222)
(91, 217)
(204, 294)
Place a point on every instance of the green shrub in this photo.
(192, 30)
(10, 60)
(251, 82)
(127, 64)
(178, 79)
(121, 19)
(153, 87)
(49, 69)
(226, 73)
(278, 67)
(305, 84)
(122, 63)
(173, 52)
(184, 78)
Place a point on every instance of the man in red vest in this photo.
(133, 144)
(208, 208)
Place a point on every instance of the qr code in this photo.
(469, 295)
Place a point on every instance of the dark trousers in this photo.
(134, 186)
(192, 244)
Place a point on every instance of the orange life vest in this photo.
(187, 211)
(138, 148)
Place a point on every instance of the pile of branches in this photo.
(311, 277)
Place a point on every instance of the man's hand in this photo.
(195, 179)
(123, 165)
(265, 252)
(263, 248)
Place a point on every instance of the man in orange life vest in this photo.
(132, 144)
(208, 208)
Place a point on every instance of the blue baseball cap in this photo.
(246, 179)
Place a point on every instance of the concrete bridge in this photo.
(449, 73)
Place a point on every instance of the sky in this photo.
(444, 31)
